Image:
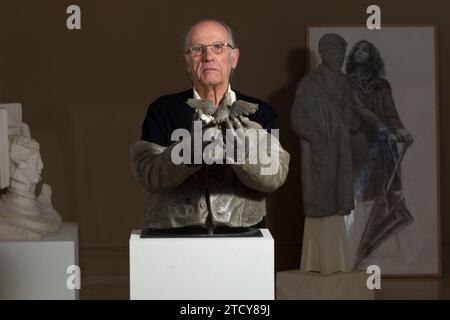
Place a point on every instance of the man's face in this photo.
(210, 69)
(334, 57)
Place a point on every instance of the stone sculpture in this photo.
(22, 215)
(321, 117)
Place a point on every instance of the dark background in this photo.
(85, 93)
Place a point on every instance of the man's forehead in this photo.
(207, 31)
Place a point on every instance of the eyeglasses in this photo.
(217, 47)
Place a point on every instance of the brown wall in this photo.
(85, 92)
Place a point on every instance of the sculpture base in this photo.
(37, 270)
(298, 285)
(325, 246)
(203, 268)
(200, 232)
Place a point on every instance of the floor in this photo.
(117, 288)
(112, 265)
(413, 289)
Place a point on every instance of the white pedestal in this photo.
(298, 285)
(202, 268)
(35, 270)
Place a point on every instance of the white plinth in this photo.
(35, 270)
(298, 285)
(202, 268)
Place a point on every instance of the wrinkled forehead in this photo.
(206, 33)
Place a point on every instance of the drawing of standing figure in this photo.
(365, 70)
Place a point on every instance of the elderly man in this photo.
(197, 194)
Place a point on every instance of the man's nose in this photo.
(208, 54)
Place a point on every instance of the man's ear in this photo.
(22, 164)
(185, 60)
(235, 57)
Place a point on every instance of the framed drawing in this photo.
(393, 74)
(4, 153)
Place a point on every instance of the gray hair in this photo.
(231, 34)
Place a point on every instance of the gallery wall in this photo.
(85, 93)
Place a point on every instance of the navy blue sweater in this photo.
(171, 112)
